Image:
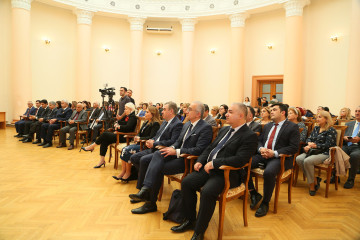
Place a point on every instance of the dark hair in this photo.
(225, 107)
(251, 109)
(58, 103)
(39, 101)
(124, 88)
(145, 105)
(206, 107)
(326, 109)
(283, 107)
(274, 96)
(44, 101)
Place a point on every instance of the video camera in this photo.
(107, 91)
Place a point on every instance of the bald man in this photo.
(78, 116)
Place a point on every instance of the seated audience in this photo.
(208, 118)
(159, 107)
(234, 147)
(183, 117)
(265, 116)
(129, 94)
(247, 102)
(143, 110)
(73, 105)
(273, 100)
(20, 125)
(125, 124)
(257, 112)
(47, 129)
(278, 137)
(148, 130)
(222, 112)
(214, 111)
(31, 120)
(58, 104)
(294, 116)
(49, 113)
(308, 113)
(78, 116)
(352, 147)
(94, 125)
(317, 149)
(264, 102)
(345, 114)
(254, 126)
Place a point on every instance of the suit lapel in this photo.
(236, 135)
(282, 129)
(198, 125)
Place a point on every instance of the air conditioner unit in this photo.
(159, 30)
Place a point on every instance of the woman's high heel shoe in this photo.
(99, 166)
(87, 150)
(115, 177)
(124, 180)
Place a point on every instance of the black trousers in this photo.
(354, 152)
(35, 127)
(95, 131)
(141, 161)
(158, 167)
(105, 139)
(212, 185)
(272, 168)
(27, 126)
(47, 131)
(19, 126)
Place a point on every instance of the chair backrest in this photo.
(342, 122)
(309, 126)
(340, 130)
(215, 131)
(223, 123)
(138, 124)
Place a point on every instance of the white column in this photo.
(136, 61)
(236, 83)
(83, 77)
(293, 68)
(353, 75)
(20, 56)
(187, 61)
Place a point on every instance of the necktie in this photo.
(354, 133)
(27, 112)
(157, 139)
(76, 116)
(271, 139)
(220, 145)
(187, 134)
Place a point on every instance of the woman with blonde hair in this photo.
(294, 115)
(183, 116)
(214, 111)
(345, 114)
(147, 131)
(317, 149)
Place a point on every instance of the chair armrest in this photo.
(184, 155)
(129, 136)
(160, 147)
(282, 162)
(224, 167)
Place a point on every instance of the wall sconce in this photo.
(47, 41)
(158, 52)
(106, 48)
(334, 38)
(269, 45)
(213, 50)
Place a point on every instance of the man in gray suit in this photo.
(351, 146)
(254, 126)
(208, 118)
(79, 115)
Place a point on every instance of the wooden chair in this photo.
(57, 132)
(342, 122)
(228, 195)
(331, 167)
(115, 145)
(282, 176)
(309, 126)
(80, 132)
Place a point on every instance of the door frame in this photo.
(256, 80)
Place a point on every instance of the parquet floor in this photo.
(56, 194)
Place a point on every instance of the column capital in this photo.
(295, 7)
(238, 19)
(136, 23)
(84, 16)
(188, 24)
(24, 4)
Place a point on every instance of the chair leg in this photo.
(116, 160)
(296, 174)
(169, 180)
(336, 182)
(76, 140)
(161, 191)
(328, 173)
(222, 204)
(290, 187)
(110, 153)
(277, 191)
(256, 183)
(245, 208)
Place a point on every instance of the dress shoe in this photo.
(99, 166)
(255, 200)
(25, 136)
(61, 145)
(115, 177)
(146, 208)
(312, 192)
(349, 184)
(197, 236)
(71, 147)
(186, 225)
(82, 148)
(317, 186)
(22, 139)
(36, 142)
(47, 145)
(17, 135)
(262, 210)
(42, 144)
(134, 201)
(27, 140)
(142, 195)
(332, 180)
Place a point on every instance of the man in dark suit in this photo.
(20, 125)
(49, 113)
(47, 129)
(35, 124)
(278, 137)
(351, 146)
(129, 94)
(31, 120)
(78, 116)
(94, 126)
(234, 147)
(167, 135)
(254, 126)
(195, 136)
(208, 118)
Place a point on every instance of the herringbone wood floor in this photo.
(56, 194)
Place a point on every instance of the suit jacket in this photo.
(94, 114)
(255, 127)
(236, 152)
(81, 118)
(210, 120)
(128, 123)
(197, 140)
(33, 110)
(148, 130)
(38, 113)
(170, 135)
(50, 114)
(287, 141)
(43, 113)
(350, 129)
(63, 114)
